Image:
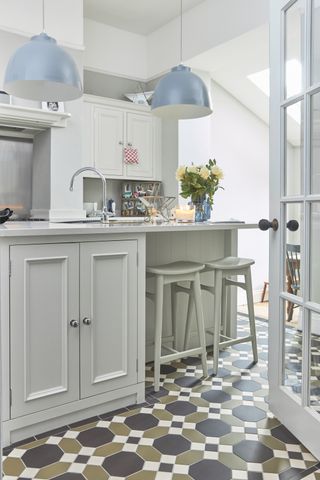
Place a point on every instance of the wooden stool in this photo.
(171, 274)
(223, 269)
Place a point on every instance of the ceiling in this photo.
(138, 16)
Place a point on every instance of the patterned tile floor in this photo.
(216, 428)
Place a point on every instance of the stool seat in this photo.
(176, 268)
(229, 263)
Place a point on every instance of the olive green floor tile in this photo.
(53, 470)
(13, 466)
(81, 428)
(109, 449)
(162, 414)
(232, 461)
(189, 458)
(276, 465)
(156, 432)
(148, 453)
(193, 435)
(272, 442)
(93, 472)
(232, 438)
(70, 445)
(143, 475)
(119, 429)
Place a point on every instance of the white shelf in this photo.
(26, 122)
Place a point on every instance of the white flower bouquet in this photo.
(199, 182)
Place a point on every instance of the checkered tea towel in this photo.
(131, 156)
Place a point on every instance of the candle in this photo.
(184, 214)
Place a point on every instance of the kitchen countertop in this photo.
(42, 228)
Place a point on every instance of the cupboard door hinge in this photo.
(10, 268)
(137, 259)
(10, 397)
(137, 365)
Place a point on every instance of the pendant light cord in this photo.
(43, 18)
(181, 32)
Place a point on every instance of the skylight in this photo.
(294, 84)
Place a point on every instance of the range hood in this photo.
(16, 121)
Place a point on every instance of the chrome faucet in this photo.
(105, 214)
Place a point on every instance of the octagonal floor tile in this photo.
(95, 437)
(187, 382)
(252, 451)
(247, 385)
(249, 413)
(123, 464)
(181, 408)
(41, 456)
(172, 444)
(216, 396)
(209, 469)
(213, 428)
(141, 421)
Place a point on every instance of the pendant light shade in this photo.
(41, 70)
(180, 95)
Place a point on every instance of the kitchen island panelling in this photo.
(74, 314)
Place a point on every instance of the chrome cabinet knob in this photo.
(87, 321)
(120, 142)
(129, 144)
(74, 323)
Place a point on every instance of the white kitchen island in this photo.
(76, 329)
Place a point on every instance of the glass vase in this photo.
(202, 210)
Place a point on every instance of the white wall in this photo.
(205, 26)
(64, 19)
(114, 51)
(240, 143)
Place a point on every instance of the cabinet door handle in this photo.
(74, 323)
(87, 321)
(129, 144)
(120, 142)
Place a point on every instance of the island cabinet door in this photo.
(44, 309)
(108, 311)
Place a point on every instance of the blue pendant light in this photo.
(181, 94)
(41, 70)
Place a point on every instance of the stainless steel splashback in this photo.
(16, 175)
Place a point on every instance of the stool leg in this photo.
(217, 320)
(200, 321)
(224, 307)
(189, 317)
(158, 331)
(252, 323)
(174, 314)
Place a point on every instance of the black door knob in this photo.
(293, 225)
(265, 224)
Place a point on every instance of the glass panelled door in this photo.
(294, 362)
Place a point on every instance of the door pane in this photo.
(293, 350)
(315, 142)
(294, 21)
(294, 143)
(315, 362)
(293, 251)
(315, 52)
(314, 253)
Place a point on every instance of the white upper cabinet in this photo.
(108, 128)
(140, 136)
(113, 125)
